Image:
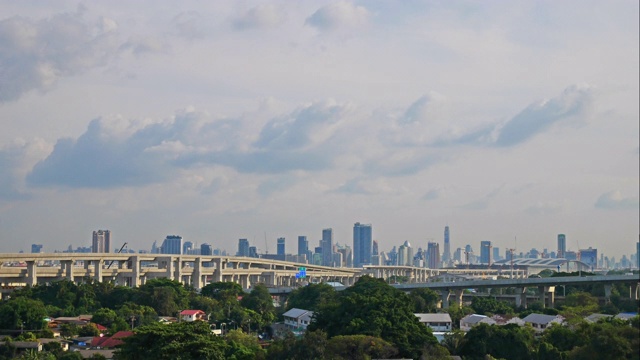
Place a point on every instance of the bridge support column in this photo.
(67, 269)
(217, 273)
(445, 298)
(550, 295)
(97, 271)
(32, 273)
(541, 296)
(458, 293)
(633, 292)
(245, 282)
(196, 278)
(521, 298)
(134, 265)
(177, 275)
(607, 293)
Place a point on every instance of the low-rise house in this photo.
(469, 321)
(22, 346)
(594, 318)
(109, 342)
(298, 319)
(167, 320)
(437, 322)
(626, 316)
(64, 344)
(540, 322)
(91, 353)
(507, 319)
(192, 315)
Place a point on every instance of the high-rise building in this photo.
(496, 254)
(172, 244)
(562, 246)
(590, 257)
(446, 256)
(36, 248)
(405, 254)
(101, 242)
(303, 246)
(243, 247)
(206, 249)
(253, 251)
(327, 247)
(280, 246)
(347, 255)
(457, 255)
(433, 254)
(485, 252)
(187, 246)
(374, 248)
(361, 244)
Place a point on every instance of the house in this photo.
(594, 318)
(297, 319)
(22, 346)
(64, 344)
(626, 316)
(192, 315)
(90, 354)
(167, 320)
(437, 322)
(109, 342)
(507, 319)
(541, 321)
(469, 321)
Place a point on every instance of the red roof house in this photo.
(110, 342)
(192, 315)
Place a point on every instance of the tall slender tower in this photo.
(101, 242)
(562, 246)
(446, 256)
(327, 247)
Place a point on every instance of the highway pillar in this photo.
(134, 264)
(458, 293)
(97, 271)
(633, 291)
(445, 298)
(196, 278)
(607, 292)
(550, 295)
(177, 276)
(32, 273)
(541, 296)
(67, 269)
(521, 298)
(217, 272)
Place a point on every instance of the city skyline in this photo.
(227, 120)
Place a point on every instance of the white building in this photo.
(469, 321)
(540, 322)
(298, 319)
(437, 322)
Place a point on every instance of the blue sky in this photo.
(225, 120)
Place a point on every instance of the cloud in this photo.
(483, 203)
(260, 17)
(339, 15)
(433, 194)
(545, 208)
(189, 25)
(276, 184)
(615, 201)
(10, 159)
(539, 117)
(36, 54)
(353, 186)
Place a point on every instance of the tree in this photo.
(104, 317)
(243, 346)
(260, 301)
(184, 340)
(359, 347)
(371, 307)
(424, 300)
(22, 314)
(89, 330)
(167, 297)
(311, 297)
(488, 305)
(69, 330)
(508, 342)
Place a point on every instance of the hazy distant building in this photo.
(280, 246)
(303, 247)
(405, 254)
(327, 247)
(496, 254)
(590, 257)
(101, 242)
(187, 246)
(446, 256)
(206, 249)
(362, 244)
(253, 252)
(562, 246)
(374, 248)
(347, 255)
(433, 254)
(485, 252)
(243, 247)
(172, 244)
(36, 248)
(457, 255)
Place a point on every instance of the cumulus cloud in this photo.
(538, 117)
(10, 159)
(339, 15)
(36, 54)
(615, 200)
(260, 17)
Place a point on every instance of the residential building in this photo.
(172, 244)
(469, 321)
(590, 257)
(405, 254)
(562, 246)
(297, 320)
(433, 255)
(280, 246)
(362, 244)
(101, 242)
(193, 315)
(187, 246)
(437, 322)
(327, 247)
(243, 247)
(540, 322)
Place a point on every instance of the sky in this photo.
(218, 120)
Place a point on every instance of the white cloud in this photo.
(616, 201)
(260, 17)
(339, 15)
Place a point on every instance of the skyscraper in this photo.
(36, 248)
(327, 247)
(562, 246)
(374, 249)
(361, 244)
(206, 249)
(446, 256)
(281, 246)
(485, 252)
(303, 246)
(243, 247)
(172, 244)
(101, 242)
(433, 253)
(187, 246)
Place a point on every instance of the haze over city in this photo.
(226, 120)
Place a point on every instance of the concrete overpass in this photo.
(546, 287)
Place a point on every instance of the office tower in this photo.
(243, 247)
(303, 246)
(253, 252)
(392, 257)
(280, 246)
(562, 246)
(187, 246)
(374, 248)
(433, 253)
(101, 241)
(457, 255)
(496, 254)
(327, 247)
(361, 244)
(36, 248)
(485, 252)
(405, 254)
(206, 249)
(347, 255)
(172, 244)
(446, 256)
(590, 257)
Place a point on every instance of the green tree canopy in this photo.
(22, 313)
(260, 301)
(311, 297)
